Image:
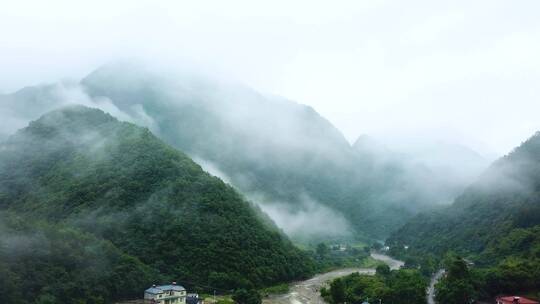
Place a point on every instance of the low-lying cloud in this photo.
(306, 220)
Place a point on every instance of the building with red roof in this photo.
(515, 300)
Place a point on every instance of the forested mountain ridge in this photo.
(270, 148)
(495, 223)
(82, 169)
(505, 197)
(282, 155)
(279, 152)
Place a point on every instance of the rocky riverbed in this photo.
(307, 291)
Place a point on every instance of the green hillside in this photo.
(495, 223)
(505, 197)
(46, 263)
(79, 167)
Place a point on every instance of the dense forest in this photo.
(105, 208)
(494, 223)
(46, 263)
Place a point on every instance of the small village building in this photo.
(469, 263)
(165, 294)
(515, 300)
(193, 298)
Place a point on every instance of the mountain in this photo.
(293, 163)
(274, 150)
(283, 155)
(408, 183)
(438, 171)
(495, 224)
(504, 203)
(82, 169)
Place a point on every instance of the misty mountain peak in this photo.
(79, 113)
(367, 144)
(73, 123)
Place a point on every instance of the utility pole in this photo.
(214, 296)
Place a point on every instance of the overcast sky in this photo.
(468, 71)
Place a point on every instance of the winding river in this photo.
(307, 291)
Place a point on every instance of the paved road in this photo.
(431, 289)
(305, 292)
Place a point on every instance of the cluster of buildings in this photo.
(176, 294)
(170, 294)
(339, 247)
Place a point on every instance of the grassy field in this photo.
(219, 299)
(276, 289)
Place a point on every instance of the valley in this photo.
(269, 152)
(229, 189)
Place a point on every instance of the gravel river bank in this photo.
(307, 291)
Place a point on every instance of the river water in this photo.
(307, 291)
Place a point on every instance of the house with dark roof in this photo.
(165, 294)
(193, 298)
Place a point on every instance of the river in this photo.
(307, 291)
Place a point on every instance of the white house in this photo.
(165, 294)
